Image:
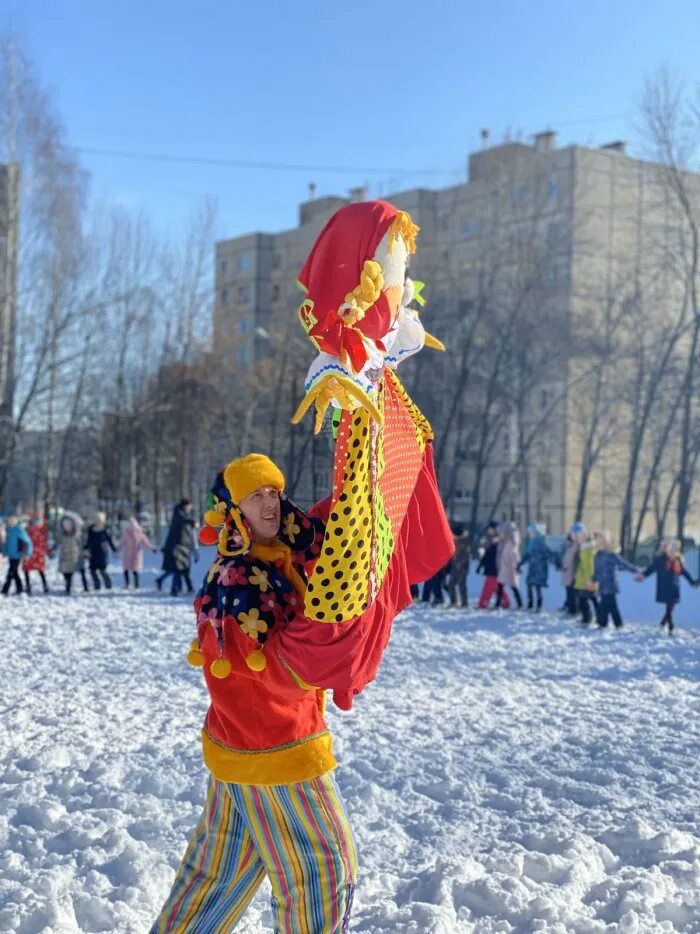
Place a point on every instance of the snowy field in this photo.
(506, 772)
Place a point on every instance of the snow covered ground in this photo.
(506, 772)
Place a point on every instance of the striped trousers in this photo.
(298, 834)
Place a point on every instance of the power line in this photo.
(302, 167)
(584, 121)
(249, 164)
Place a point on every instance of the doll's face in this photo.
(263, 511)
(394, 267)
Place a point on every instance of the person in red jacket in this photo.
(40, 550)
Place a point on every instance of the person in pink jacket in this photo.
(508, 564)
(132, 542)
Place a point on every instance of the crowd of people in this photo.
(84, 549)
(588, 565)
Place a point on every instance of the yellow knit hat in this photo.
(247, 474)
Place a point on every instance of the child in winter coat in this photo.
(568, 570)
(459, 566)
(584, 568)
(433, 589)
(179, 549)
(669, 568)
(70, 549)
(40, 550)
(18, 545)
(605, 579)
(489, 566)
(99, 539)
(132, 542)
(537, 558)
(508, 564)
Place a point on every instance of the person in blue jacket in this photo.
(605, 579)
(537, 557)
(669, 568)
(17, 547)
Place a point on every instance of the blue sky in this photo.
(401, 88)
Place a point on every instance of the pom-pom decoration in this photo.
(220, 668)
(195, 656)
(256, 661)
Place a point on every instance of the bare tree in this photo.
(50, 251)
(672, 122)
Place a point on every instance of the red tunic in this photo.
(40, 542)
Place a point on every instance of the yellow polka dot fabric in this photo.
(374, 477)
(339, 587)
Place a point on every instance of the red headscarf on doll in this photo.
(333, 269)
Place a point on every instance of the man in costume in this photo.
(297, 603)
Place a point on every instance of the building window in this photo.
(468, 229)
(522, 196)
(544, 481)
(243, 355)
(553, 190)
(244, 325)
(244, 262)
(276, 260)
(224, 296)
(244, 294)
(275, 293)
(224, 267)
(555, 233)
(322, 479)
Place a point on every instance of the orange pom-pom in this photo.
(195, 656)
(256, 661)
(208, 535)
(220, 668)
